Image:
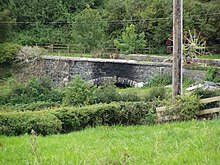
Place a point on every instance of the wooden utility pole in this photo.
(177, 48)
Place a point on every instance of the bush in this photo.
(37, 89)
(5, 70)
(39, 105)
(130, 97)
(115, 113)
(159, 80)
(77, 93)
(185, 107)
(105, 93)
(166, 79)
(206, 93)
(76, 118)
(8, 52)
(212, 75)
(130, 41)
(136, 113)
(155, 93)
(42, 123)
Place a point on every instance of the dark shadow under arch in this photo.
(118, 81)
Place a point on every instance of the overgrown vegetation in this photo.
(213, 74)
(8, 52)
(191, 142)
(184, 107)
(33, 91)
(79, 105)
(72, 119)
(166, 79)
(95, 24)
(130, 42)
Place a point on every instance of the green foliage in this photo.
(20, 123)
(76, 118)
(191, 142)
(102, 114)
(137, 113)
(105, 93)
(184, 107)
(8, 52)
(35, 106)
(130, 97)
(159, 80)
(6, 22)
(5, 70)
(207, 93)
(130, 41)
(155, 93)
(77, 92)
(187, 81)
(89, 28)
(37, 89)
(213, 75)
(97, 23)
(44, 12)
(43, 34)
(166, 79)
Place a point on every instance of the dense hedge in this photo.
(23, 122)
(68, 119)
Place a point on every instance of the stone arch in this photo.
(115, 80)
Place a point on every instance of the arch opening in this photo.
(118, 81)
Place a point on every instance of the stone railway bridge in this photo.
(123, 72)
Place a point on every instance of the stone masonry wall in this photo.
(63, 69)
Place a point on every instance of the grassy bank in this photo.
(194, 142)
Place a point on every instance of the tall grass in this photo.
(194, 142)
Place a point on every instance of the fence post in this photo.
(68, 48)
(52, 48)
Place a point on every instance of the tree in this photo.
(89, 29)
(6, 20)
(130, 41)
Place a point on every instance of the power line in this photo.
(107, 21)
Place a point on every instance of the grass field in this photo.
(193, 142)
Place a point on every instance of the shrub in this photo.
(39, 105)
(159, 80)
(136, 113)
(187, 81)
(206, 93)
(130, 41)
(130, 97)
(184, 107)
(155, 93)
(166, 79)
(5, 70)
(102, 114)
(212, 75)
(42, 123)
(105, 93)
(37, 89)
(76, 118)
(77, 92)
(8, 52)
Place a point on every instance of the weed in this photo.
(35, 147)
